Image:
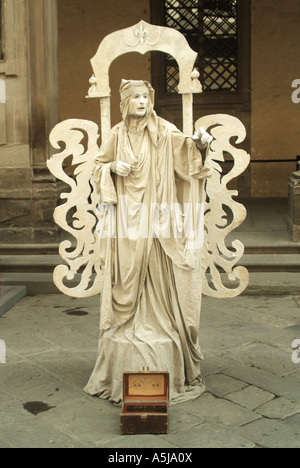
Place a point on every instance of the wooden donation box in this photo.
(145, 405)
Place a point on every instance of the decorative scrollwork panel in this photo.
(77, 214)
(223, 214)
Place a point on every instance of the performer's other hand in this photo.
(202, 138)
(121, 168)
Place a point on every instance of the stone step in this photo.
(35, 283)
(263, 283)
(53, 249)
(29, 263)
(29, 249)
(32, 266)
(47, 263)
(271, 262)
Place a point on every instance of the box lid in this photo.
(146, 386)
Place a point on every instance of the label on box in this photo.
(146, 384)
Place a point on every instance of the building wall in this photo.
(29, 97)
(274, 66)
(15, 156)
(82, 26)
(275, 132)
(28, 105)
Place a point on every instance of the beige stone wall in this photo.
(15, 161)
(275, 118)
(29, 102)
(275, 64)
(82, 26)
(14, 151)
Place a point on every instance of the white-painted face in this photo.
(138, 104)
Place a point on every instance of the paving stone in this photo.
(219, 411)
(268, 433)
(74, 337)
(214, 341)
(250, 397)
(89, 419)
(220, 385)
(293, 421)
(22, 376)
(39, 434)
(294, 376)
(243, 331)
(12, 412)
(208, 435)
(280, 408)
(281, 339)
(213, 365)
(178, 418)
(266, 381)
(4, 443)
(137, 441)
(22, 344)
(277, 311)
(61, 363)
(264, 356)
(11, 357)
(52, 394)
(59, 359)
(268, 319)
(4, 396)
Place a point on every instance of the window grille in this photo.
(211, 29)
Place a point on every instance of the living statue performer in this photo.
(149, 177)
(148, 218)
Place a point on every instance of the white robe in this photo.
(151, 295)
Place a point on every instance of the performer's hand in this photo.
(121, 168)
(202, 138)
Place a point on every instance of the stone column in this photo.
(15, 164)
(28, 111)
(43, 44)
(294, 206)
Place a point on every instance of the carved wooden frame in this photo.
(143, 38)
(82, 199)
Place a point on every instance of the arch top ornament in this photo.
(142, 38)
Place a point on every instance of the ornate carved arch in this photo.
(143, 38)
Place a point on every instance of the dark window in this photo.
(1, 31)
(220, 32)
(211, 29)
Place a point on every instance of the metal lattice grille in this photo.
(211, 29)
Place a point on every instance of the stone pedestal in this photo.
(294, 206)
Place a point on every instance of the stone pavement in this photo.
(253, 387)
